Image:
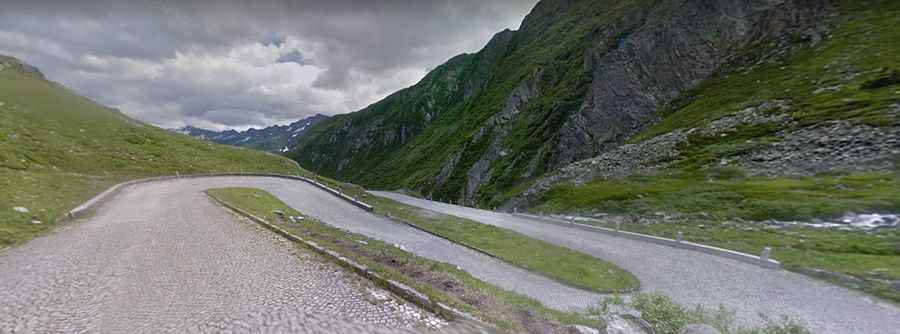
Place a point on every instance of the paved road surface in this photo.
(161, 257)
(332, 210)
(694, 278)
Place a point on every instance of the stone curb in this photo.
(735, 255)
(92, 204)
(492, 255)
(404, 291)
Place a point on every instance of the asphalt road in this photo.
(694, 278)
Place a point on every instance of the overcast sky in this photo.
(235, 64)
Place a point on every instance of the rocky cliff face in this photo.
(578, 79)
(821, 103)
(668, 51)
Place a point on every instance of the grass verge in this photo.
(439, 281)
(752, 198)
(559, 263)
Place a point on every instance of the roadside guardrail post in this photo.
(766, 254)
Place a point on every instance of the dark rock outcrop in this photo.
(11, 63)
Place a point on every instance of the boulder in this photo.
(627, 324)
(579, 329)
(699, 329)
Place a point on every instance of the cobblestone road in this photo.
(161, 257)
(311, 201)
(694, 278)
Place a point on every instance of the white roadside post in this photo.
(766, 254)
(679, 237)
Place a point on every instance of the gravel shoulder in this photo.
(693, 278)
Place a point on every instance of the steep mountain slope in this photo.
(57, 149)
(825, 107)
(579, 78)
(349, 146)
(794, 145)
(277, 138)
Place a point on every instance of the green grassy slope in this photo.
(58, 149)
(348, 146)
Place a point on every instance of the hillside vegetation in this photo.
(58, 149)
(577, 79)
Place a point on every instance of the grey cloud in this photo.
(294, 56)
(245, 63)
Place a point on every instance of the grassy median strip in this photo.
(559, 263)
(441, 282)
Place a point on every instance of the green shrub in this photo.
(724, 173)
(785, 326)
(892, 78)
(662, 313)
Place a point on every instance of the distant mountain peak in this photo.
(276, 138)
